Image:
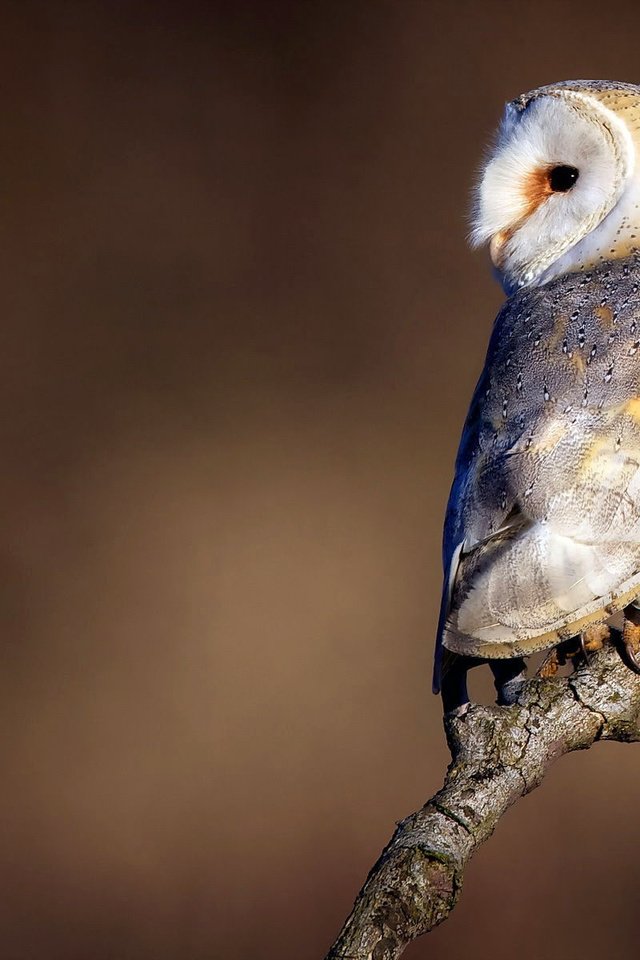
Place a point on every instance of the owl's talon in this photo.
(583, 648)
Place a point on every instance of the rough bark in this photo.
(499, 754)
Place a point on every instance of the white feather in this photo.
(567, 128)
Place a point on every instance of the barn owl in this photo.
(542, 532)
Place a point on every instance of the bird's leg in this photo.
(509, 677)
(631, 637)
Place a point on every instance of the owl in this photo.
(542, 531)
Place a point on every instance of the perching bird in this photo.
(542, 533)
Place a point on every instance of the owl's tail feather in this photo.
(444, 663)
(509, 676)
(443, 659)
(450, 679)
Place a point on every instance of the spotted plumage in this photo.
(542, 535)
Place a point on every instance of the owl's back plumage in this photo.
(542, 534)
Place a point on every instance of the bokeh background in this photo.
(240, 328)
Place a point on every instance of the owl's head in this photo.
(560, 191)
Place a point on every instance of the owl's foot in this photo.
(558, 657)
(631, 638)
(576, 649)
(594, 638)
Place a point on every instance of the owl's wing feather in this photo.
(546, 497)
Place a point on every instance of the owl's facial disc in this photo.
(561, 190)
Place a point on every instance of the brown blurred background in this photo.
(240, 328)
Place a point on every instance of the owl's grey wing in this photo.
(454, 543)
(543, 525)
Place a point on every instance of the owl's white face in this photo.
(561, 190)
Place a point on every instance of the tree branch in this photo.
(499, 754)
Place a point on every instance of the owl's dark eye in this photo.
(562, 178)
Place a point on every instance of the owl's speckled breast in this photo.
(543, 523)
(559, 356)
